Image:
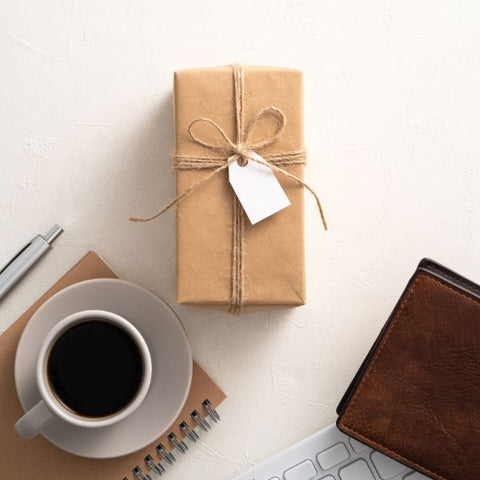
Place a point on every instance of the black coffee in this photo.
(95, 368)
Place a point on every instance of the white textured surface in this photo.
(392, 115)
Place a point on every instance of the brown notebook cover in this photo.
(416, 397)
(39, 459)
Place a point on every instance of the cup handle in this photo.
(34, 420)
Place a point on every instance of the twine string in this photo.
(186, 192)
(230, 151)
(298, 180)
(238, 220)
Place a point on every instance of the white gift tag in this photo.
(257, 189)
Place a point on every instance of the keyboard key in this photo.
(303, 471)
(415, 476)
(386, 466)
(333, 456)
(358, 447)
(275, 478)
(328, 477)
(356, 471)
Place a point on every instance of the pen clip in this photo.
(15, 257)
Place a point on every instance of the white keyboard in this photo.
(330, 455)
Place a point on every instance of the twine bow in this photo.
(237, 151)
(241, 149)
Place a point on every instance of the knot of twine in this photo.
(226, 153)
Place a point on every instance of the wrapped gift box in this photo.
(224, 262)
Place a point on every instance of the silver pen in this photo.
(21, 263)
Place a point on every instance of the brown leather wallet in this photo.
(416, 397)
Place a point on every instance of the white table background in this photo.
(392, 117)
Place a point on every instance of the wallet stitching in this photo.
(394, 455)
(457, 279)
(380, 348)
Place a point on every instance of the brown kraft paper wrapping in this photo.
(272, 260)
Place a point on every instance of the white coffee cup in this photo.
(50, 407)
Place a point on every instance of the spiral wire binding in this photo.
(180, 445)
(167, 456)
(211, 411)
(137, 471)
(158, 468)
(200, 421)
(189, 432)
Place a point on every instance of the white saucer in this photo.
(171, 365)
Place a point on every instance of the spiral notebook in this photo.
(40, 460)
